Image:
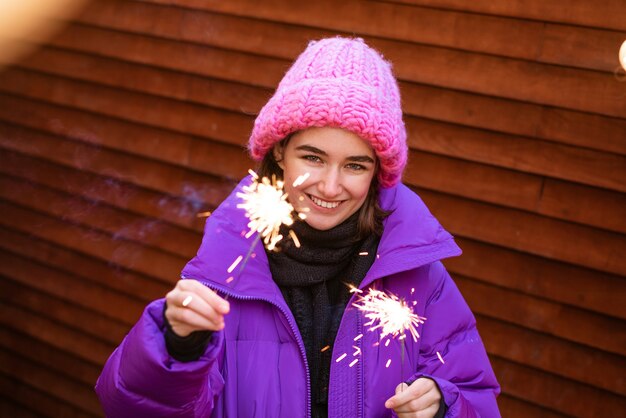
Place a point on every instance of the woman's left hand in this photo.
(421, 399)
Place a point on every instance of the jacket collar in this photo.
(412, 237)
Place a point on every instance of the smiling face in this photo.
(340, 167)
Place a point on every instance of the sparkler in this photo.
(267, 209)
(392, 315)
(387, 312)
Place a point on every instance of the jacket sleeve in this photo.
(463, 373)
(140, 378)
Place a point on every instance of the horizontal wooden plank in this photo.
(517, 118)
(120, 224)
(41, 403)
(575, 89)
(203, 27)
(49, 357)
(120, 309)
(9, 408)
(572, 324)
(477, 181)
(150, 174)
(579, 12)
(512, 407)
(544, 158)
(226, 160)
(131, 76)
(527, 232)
(553, 355)
(555, 393)
(538, 157)
(178, 211)
(40, 301)
(581, 90)
(580, 47)
(161, 266)
(255, 70)
(595, 207)
(514, 117)
(65, 339)
(23, 370)
(540, 277)
(518, 38)
(71, 261)
(175, 115)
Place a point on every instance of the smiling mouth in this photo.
(323, 203)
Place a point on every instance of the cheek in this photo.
(361, 188)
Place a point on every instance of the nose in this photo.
(330, 184)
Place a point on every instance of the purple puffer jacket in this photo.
(256, 366)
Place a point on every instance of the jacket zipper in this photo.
(293, 330)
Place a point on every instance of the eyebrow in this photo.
(355, 158)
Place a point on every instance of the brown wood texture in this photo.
(578, 12)
(118, 132)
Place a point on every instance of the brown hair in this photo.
(371, 215)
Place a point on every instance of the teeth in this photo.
(323, 203)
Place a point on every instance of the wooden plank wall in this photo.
(120, 130)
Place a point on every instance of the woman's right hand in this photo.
(204, 310)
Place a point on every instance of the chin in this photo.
(323, 224)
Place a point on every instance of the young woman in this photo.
(283, 339)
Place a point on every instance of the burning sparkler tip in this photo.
(387, 312)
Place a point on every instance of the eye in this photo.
(312, 158)
(356, 167)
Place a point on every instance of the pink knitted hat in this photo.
(340, 83)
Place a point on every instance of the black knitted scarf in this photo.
(313, 279)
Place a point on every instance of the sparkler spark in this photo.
(389, 313)
(440, 358)
(267, 209)
(301, 179)
(295, 239)
(341, 357)
(232, 266)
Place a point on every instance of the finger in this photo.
(208, 295)
(425, 413)
(190, 318)
(393, 401)
(406, 394)
(423, 402)
(192, 301)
